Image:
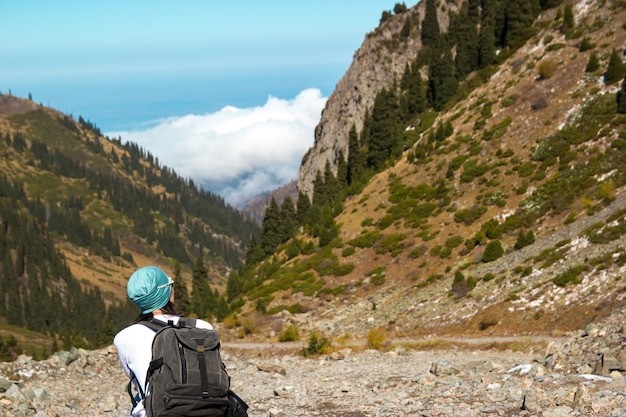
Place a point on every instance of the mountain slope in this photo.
(506, 216)
(100, 209)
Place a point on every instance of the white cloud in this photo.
(236, 153)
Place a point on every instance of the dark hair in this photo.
(168, 308)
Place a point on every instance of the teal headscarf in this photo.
(149, 288)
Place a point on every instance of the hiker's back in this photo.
(186, 376)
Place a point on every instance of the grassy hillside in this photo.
(504, 214)
(104, 208)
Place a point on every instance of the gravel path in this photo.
(563, 378)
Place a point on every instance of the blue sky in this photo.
(241, 84)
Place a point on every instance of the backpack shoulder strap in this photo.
(186, 322)
(154, 325)
(135, 399)
(157, 325)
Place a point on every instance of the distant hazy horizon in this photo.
(162, 74)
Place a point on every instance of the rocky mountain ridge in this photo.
(372, 69)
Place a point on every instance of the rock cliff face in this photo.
(379, 62)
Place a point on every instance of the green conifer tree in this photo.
(303, 204)
(621, 99)
(493, 251)
(615, 69)
(487, 37)
(201, 295)
(288, 216)
(413, 96)
(568, 18)
(430, 25)
(271, 230)
(385, 135)
(593, 64)
(465, 36)
(520, 15)
(181, 293)
(234, 286)
(356, 161)
(255, 252)
(442, 82)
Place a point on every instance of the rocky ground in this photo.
(579, 375)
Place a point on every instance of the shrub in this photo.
(539, 104)
(508, 101)
(318, 345)
(418, 251)
(392, 244)
(376, 338)
(547, 69)
(293, 309)
(493, 251)
(473, 169)
(571, 275)
(347, 251)
(554, 47)
(252, 322)
(571, 217)
(367, 222)
(291, 333)
(470, 215)
(377, 275)
(385, 222)
(366, 240)
(454, 241)
(585, 44)
(524, 239)
(461, 286)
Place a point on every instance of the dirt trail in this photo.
(278, 348)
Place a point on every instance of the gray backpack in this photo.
(186, 376)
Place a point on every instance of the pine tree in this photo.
(202, 301)
(615, 69)
(356, 162)
(621, 99)
(221, 307)
(493, 251)
(319, 189)
(593, 64)
(413, 96)
(487, 37)
(288, 216)
(473, 10)
(255, 252)
(181, 294)
(430, 25)
(332, 183)
(465, 36)
(234, 286)
(271, 233)
(520, 15)
(342, 171)
(568, 18)
(385, 140)
(303, 204)
(442, 81)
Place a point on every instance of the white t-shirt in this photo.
(134, 350)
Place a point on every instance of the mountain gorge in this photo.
(466, 179)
